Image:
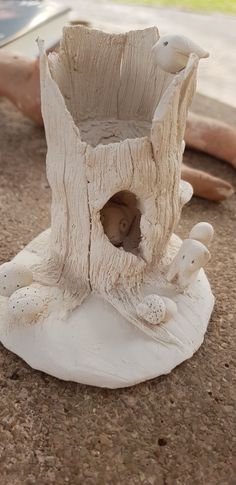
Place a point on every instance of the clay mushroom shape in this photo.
(13, 276)
(184, 268)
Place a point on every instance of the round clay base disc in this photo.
(96, 345)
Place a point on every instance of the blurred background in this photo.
(211, 23)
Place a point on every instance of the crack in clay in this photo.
(90, 225)
(67, 222)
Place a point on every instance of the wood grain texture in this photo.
(114, 123)
(141, 84)
(66, 175)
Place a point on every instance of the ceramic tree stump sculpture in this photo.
(110, 296)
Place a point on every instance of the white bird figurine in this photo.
(171, 52)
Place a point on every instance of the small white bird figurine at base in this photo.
(171, 52)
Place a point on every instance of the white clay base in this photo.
(96, 345)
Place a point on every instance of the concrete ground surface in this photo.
(175, 430)
(215, 32)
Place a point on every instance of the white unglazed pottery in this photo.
(103, 297)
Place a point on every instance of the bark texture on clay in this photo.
(98, 88)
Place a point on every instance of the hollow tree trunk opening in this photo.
(120, 218)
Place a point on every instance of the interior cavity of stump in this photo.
(101, 298)
(120, 218)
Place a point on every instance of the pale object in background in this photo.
(216, 32)
(21, 23)
(111, 138)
